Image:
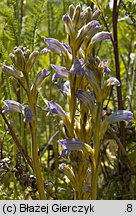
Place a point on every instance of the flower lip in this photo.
(54, 45)
(70, 144)
(77, 67)
(17, 107)
(55, 109)
(101, 36)
(113, 81)
(61, 72)
(106, 69)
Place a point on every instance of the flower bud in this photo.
(40, 78)
(85, 17)
(69, 173)
(71, 10)
(12, 57)
(108, 85)
(76, 15)
(19, 59)
(31, 60)
(69, 28)
(95, 15)
(10, 71)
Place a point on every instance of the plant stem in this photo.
(35, 157)
(72, 108)
(95, 170)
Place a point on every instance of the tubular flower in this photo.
(120, 115)
(17, 107)
(56, 109)
(72, 144)
(40, 77)
(58, 47)
(100, 37)
(69, 145)
(108, 85)
(89, 30)
(77, 67)
(61, 72)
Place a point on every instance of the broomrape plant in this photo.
(85, 82)
(88, 84)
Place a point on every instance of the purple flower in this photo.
(64, 86)
(56, 109)
(69, 145)
(12, 105)
(69, 26)
(100, 37)
(120, 115)
(77, 67)
(106, 69)
(17, 107)
(112, 81)
(27, 112)
(40, 78)
(61, 72)
(87, 30)
(54, 45)
(95, 85)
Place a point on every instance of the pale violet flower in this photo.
(54, 45)
(40, 78)
(106, 69)
(60, 72)
(17, 107)
(55, 109)
(88, 30)
(100, 37)
(77, 67)
(69, 145)
(120, 115)
(112, 81)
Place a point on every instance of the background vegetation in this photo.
(26, 23)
